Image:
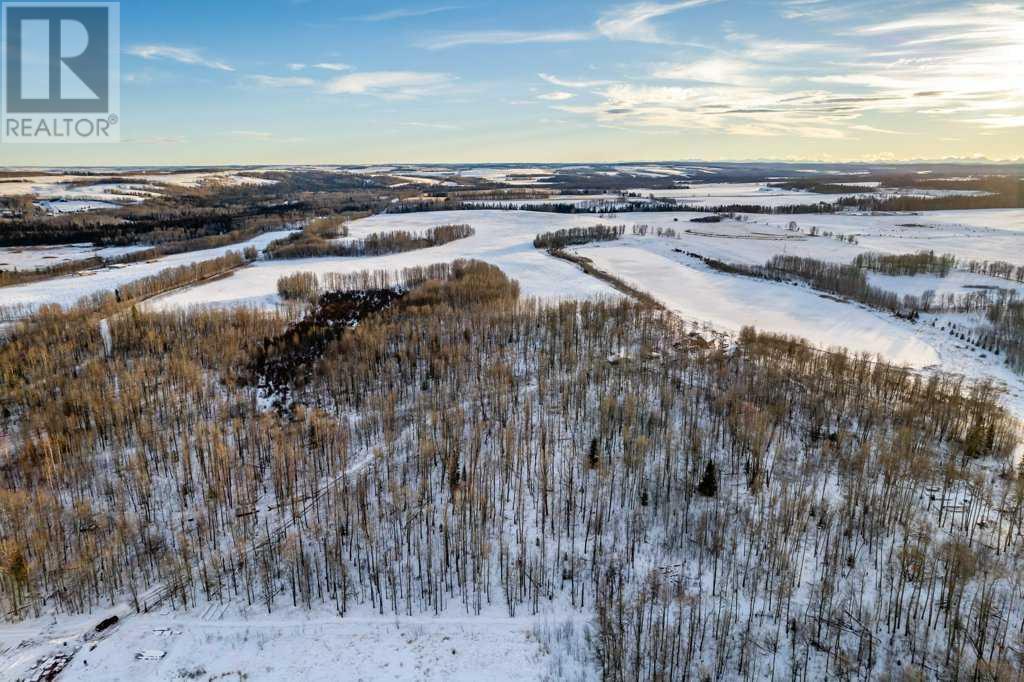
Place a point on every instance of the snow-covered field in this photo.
(957, 282)
(511, 176)
(44, 186)
(697, 293)
(73, 205)
(198, 179)
(225, 640)
(503, 238)
(56, 193)
(992, 235)
(67, 290)
(728, 303)
(748, 194)
(703, 196)
(35, 257)
(762, 194)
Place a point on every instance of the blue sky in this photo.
(316, 81)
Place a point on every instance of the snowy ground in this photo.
(980, 235)
(957, 282)
(135, 188)
(511, 176)
(34, 257)
(697, 293)
(578, 200)
(503, 238)
(67, 290)
(726, 302)
(58, 206)
(748, 194)
(199, 179)
(43, 186)
(214, 641)
(709, 195)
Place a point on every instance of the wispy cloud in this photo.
(837, 10)
(971, 16)
(629, 22)
(576, 84)
(408, 13)
(872, 129)
(332, 66)
(955, 61)
(634, 22)
(739, 111)
(721, 70)
(556, 96)
(958, 65)
(1000, 121)
(326, 66)
(390, 84)
(816, 10)
(281, 81)
(396, 85)
(182, 55)
(449, 40)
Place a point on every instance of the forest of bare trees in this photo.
(181, 214)
(577, 236)
(908, 265)
(755, 510)
(1004, 330)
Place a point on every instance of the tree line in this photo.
(180, 214)
(377, 244)
(910, 264)
(577, 236)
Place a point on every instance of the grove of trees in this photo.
(755, 510)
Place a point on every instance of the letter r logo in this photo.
(57, 58)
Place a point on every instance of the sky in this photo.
(445, 81)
